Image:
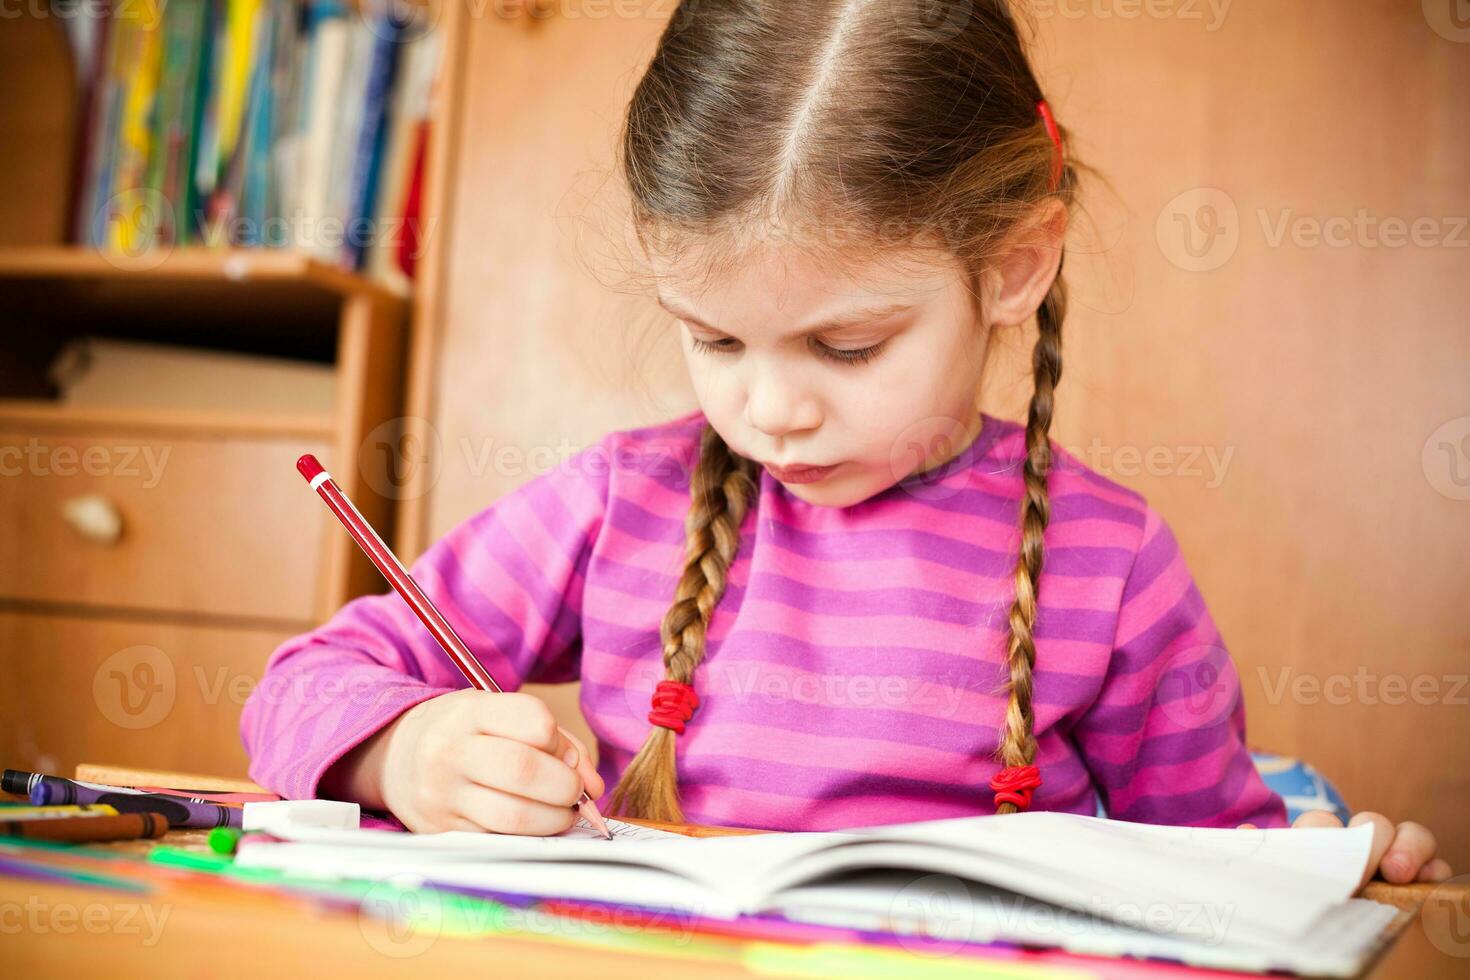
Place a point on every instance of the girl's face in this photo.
(872, 369)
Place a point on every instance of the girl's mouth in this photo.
(800, 474)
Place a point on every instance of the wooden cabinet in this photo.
(130, 528)
(146, 691)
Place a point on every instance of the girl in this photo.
(837, 593)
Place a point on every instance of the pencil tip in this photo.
(593, 817)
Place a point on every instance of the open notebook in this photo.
(1237, 899)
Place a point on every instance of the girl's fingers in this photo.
(1400, 855)
(1317, 818)
(513, 767)
(1382, 837)
(1412, 847)
(522, 717)
(1436, 870)
(585, 769)
(506, 813)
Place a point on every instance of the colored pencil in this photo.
(392, 569)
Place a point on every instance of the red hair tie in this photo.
(673, 704)
(1014, 784)
(1058, 161)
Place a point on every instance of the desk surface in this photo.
(203, 926)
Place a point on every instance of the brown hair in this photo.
(910, 121)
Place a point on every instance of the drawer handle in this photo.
(94, 517)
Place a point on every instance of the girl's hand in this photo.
(476, 760)
(1401, 854)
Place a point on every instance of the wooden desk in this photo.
(214, 928)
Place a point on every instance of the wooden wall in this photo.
(1298, 408)
(1330, 540)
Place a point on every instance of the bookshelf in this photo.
(222, 551)
(434, 345)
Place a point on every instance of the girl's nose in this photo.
(778, 407)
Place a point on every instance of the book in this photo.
(406, 116)
(119, 134)
(1251, 900)
(183, 26)
(360, 226)
(92, 43)
(329, 37)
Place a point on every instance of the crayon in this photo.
(28, 812)
(181, 811)
(18, 781)
(119, 826)
(24, 782)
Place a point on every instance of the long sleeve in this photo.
(1165, 738)
(508, 579)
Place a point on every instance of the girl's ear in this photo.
(1018, 279)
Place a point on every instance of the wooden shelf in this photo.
(252, 300)
(55, 416)
(228, 268)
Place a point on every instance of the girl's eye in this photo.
(716, 347)
(856, 356)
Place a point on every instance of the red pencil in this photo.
(362, 532)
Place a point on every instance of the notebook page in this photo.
(582, 830)
(358, 853)
(1328, 861)
(1276, 883)
(943, 912)
(659, 872)
(1321, 863)
(1300, 850)
(468, 843)
(1112, 868)
(620, 884)
(716, 876)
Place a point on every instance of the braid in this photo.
(720, 489)
(1018, 742)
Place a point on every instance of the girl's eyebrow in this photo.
(847, 319)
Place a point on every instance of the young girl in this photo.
(837, 594)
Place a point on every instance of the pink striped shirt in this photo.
(853, 665)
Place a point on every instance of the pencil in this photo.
(382, 556)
